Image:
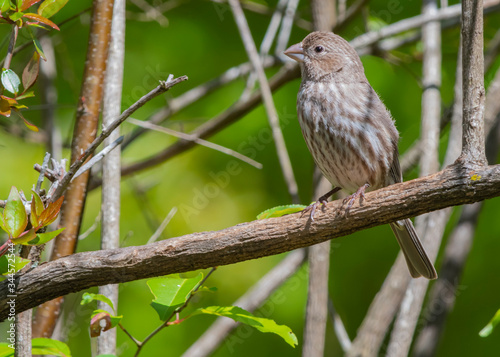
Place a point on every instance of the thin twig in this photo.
(339, 328)
(254, 298)
(182, 101)
(140, 345)
(197, 140)
(163, 225)
(12, 43)
(162, 88)
(272, 115)
(98, 157)
(41, 177)
(286, 27)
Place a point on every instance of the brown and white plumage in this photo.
(349, 131)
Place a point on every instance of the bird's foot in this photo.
(360, 193)
(321, 202)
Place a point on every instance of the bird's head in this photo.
(324, 55)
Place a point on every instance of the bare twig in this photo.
(286, 27)
(98, 157)
(163, 225)
(450, 12)
(178, 103)
(92, 228)
(272, 115)
(162, 88)
(339, 328)
(197, 140)
(12, 43)
(41, 177)
(252, 300)
(151, 12)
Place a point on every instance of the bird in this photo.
(350, 132)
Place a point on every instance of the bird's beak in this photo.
(295, 52)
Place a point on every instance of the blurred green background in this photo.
(201, 41)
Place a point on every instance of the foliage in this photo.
(15, 14)
(14, 219)
(171, 295)
(40, 346)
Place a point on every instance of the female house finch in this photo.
(350, 132)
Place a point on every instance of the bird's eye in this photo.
(319, 49)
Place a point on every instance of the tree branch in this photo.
(473, 84)
(455, 185)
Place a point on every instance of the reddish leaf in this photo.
(51, 7)
(30, 73)
(4, 107)
(100, 322)
(50, 213)
(28, 3)
(41, 19)
(36, 209)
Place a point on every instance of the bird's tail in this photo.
(417, 260)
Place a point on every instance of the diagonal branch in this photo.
(272, 115)
(455, 185)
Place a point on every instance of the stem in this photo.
(12, 43)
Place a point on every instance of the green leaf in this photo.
(280, 211)
(10, 81)
(38, 47)
(42, 238)
(29, 94)
(14, 214)
(25, 237)
(50, 7)
(89, 297)
(16, 16)
(5, 350)
(240, 315)
(4, 5)
(2, 223)
(171, 292)
(30, 72)
(48, 346)
(488, 329)
(19, 263)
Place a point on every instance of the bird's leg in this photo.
(360, 193)
(323, 200)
